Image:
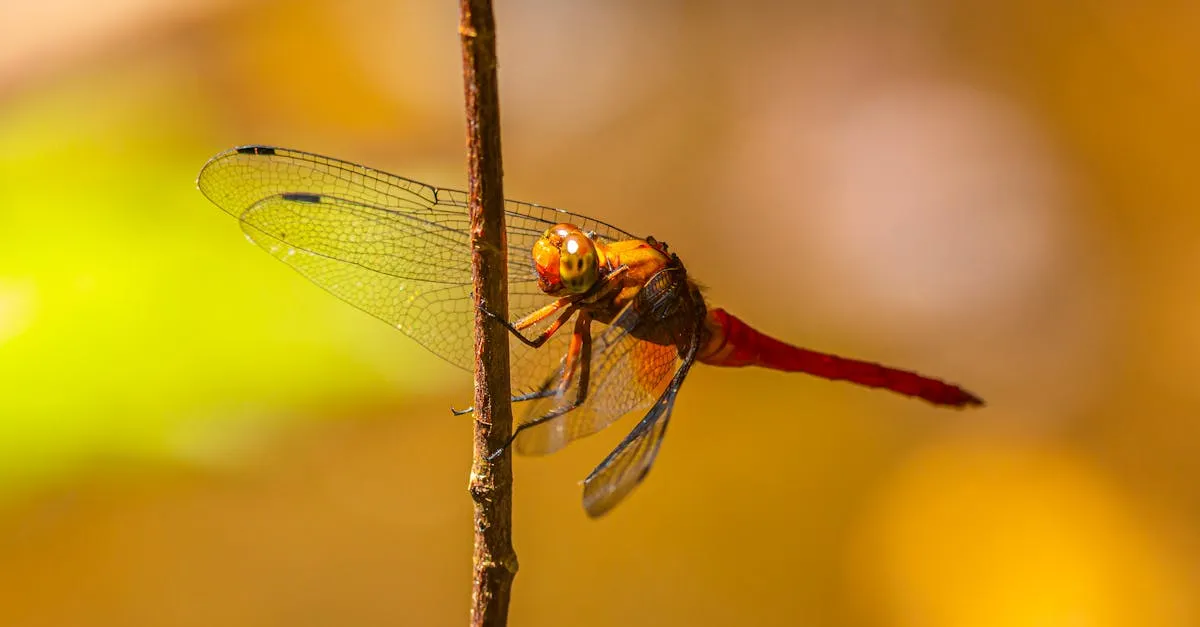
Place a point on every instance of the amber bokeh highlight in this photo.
(997, 194)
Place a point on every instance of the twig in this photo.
(495, 562)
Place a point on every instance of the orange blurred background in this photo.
(996, 193)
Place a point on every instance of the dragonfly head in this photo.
(567, 261)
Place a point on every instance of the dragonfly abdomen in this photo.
(733, 343)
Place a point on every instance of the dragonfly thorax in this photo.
(567, 260)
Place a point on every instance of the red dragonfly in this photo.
(398, 250)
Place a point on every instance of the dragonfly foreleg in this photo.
(537, 316)
(515, 328)
(579, 359)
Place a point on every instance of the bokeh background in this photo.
(1000, 193)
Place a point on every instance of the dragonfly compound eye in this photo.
(577, 264)
(546, 262)
(566, 260)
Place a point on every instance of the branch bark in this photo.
(495, 561)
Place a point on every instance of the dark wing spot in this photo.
(301, 197)
(256, 150)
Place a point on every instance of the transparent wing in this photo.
(634, 359)
(393, 247)
(628, 464)
(627, 375)
(630, 461)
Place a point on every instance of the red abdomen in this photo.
(733, 343)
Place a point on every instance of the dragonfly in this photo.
(606, 323)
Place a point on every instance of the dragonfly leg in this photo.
(579, 358)
(572, 303)
(548, 389)
(519, 398)
(533, 317)
(515, 328)
(538, 315)
(583, 333)
(579, 353)
(528, 396)
(532, 396)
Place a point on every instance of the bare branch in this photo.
(495, 562)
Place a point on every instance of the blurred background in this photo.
(999, 193)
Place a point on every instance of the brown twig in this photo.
(495, 562)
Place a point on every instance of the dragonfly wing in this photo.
(627, 375)
(627, 372)
(628, 464)
(539, 217)
(368, 258)
(393, 247)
